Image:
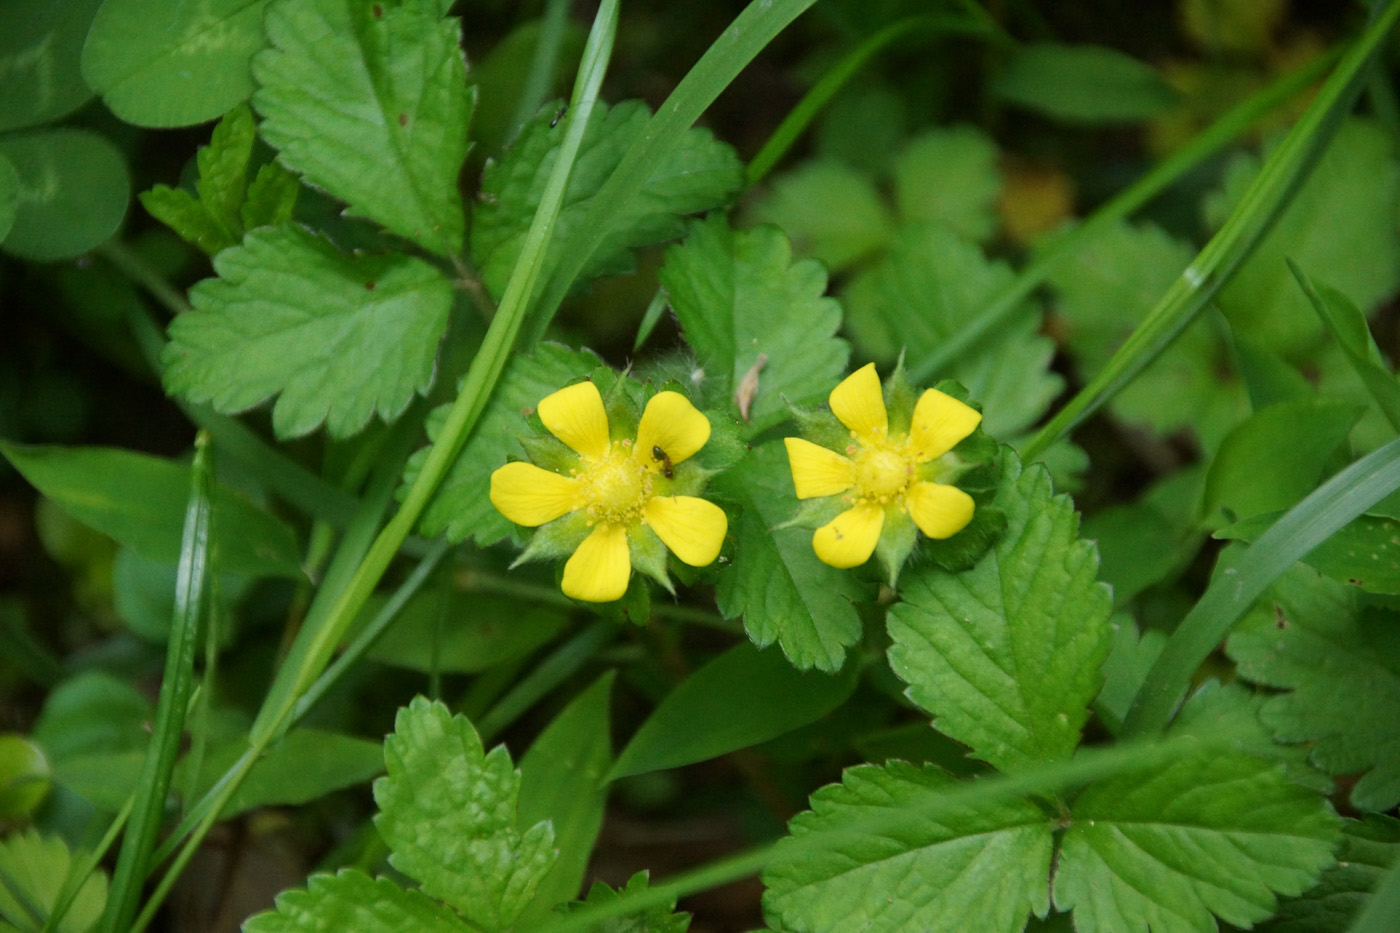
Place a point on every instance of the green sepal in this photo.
(814, 513)
(900, 399)
(726, 445)
(822, 428)
(897, 541)
(547, 451)
(556, 539)
(634, 606)
(649, 555)
(964, 549)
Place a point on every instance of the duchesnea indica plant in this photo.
(636, 477)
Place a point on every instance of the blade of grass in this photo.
(550, 673)
(1268, 195)
(536, 86)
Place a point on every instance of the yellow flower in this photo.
(621, 487)
(882, 474)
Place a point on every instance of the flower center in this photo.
(884, 469)
(616, 487)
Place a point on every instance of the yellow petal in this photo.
(530, 496)
(692, 528)
(575, 415)
(598, 570)
(859, 402)
(940, 421)
(849, 539)
(672, 425)
(939, 511)
(817, 471)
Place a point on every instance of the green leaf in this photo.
(830, 212)
(1340, 666)
(351, 900)
(448, 812)
(92, 713)
(25, 778)
(1006, 656)
(1364, 552)
(950, 176)
(1208, 833)
(39, 51)
(1152, 539)
(1125, 668)
(73, 190)
(162, 65)
(1369, 847)
(743, 302)
(1083, 84)
(9, 196)
(140, 501)
(562, 780)
(462, 506)
(371, 103)
(33, 869)
(699, 174)
(448, 628)
(658, 919)
(932, 285)
(340, 337)
(305, 765)
(977, 867)
(776, 582)
(741, 698)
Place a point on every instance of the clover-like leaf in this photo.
(40, 49)
(370, 102)
(448, 813)
(1006, 656)
(352, 900)
(895, 861)
(72, 192)
(34, 869)
(338, 337)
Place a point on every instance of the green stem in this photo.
(81, 870)
(135, 267)
(542, 64)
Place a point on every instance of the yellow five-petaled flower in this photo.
(881, 473)
(623, 487)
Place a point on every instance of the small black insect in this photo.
(558, 116)
(658, 454)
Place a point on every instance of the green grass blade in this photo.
(553, 28)
(82, 868)
(546, 677)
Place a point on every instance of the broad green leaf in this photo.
(1006, 656)
(744, 303)
(1208, 834)
(73, 190)
(305, 765)
(448, 813)
(92, 713)
(351, 900)
(1147, 541)
(1364, 552)
(658, 919)
(562, 780)
(1340, 222)
(776, 582)
(1340, 666)
(1083, 84)
(933, 284)
(9, 196)
(1369, 847)
(371, 103)
(699, 174)
(741, 698)
(950, 176)
(447, 628)
(33, 869)
(161, 64)
(977, 868)
(39, 51)
(462, 506)
(25, 778)
(1275, 458)
(830, 212)
(337, 337)
(140, 501)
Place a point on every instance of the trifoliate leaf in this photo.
(1368, 848)
(954, 868)
(33, 869)
(1210, 833)
(776, 581)
(462, 506)
(340, 337)
(950, 176)
(934, 284)
(659, 919)
(447, 811)
(1339, 665)
(39, 52)
(1006, 656)
(211, 221)
(351, 900)
(371, 103)
(699, 174)
(744, 303)
(1083, 83)
(830, 212)
(73, 192)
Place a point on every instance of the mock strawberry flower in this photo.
(884, 477)
(619, 496)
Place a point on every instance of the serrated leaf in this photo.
(776, 581)
(371, 103)
(1083, 83)
(39, 52)
(462, 507)
(1125, 668)
(339, 338)
(699, 174)
(1210, 833)
(658, 919)
(447, 811)
(212, 221)
(1365, 552)
(1006, 656)
(73, 192)
(33, 869)
(1341, 668)
(272, 195)
(351, 900)
(970, 868)
(1368, 848)
(830, 212)
(950, 176)
(741, 298)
